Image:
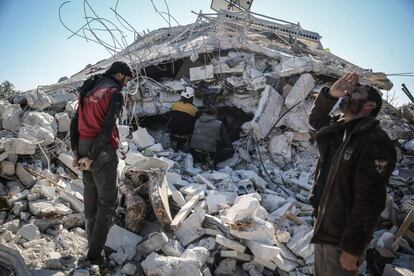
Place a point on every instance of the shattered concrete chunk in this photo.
(47, 208)
(226, 267)
(129, 269)
(230, 244)
(19, 146)
(119, 239)
(142, 139)
(279, 145)
(154, 243)
(7, 168)
(24, 176)
(243, 209)
(159, 265)
(300, 243)
(215, 202)
(256, 230)
(173, 248)
(267, 112)
(29, 232)
(37, 99)
(202, 72)
(63, 121)
(300, 90)
(11, 118)
(190, 229)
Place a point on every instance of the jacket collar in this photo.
(363, 125)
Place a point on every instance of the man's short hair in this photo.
(120, 67)
(374, 96)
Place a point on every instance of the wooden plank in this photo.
(184, 211)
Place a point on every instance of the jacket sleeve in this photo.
(372, 175)
(114, 111)
(74, 133)
(319, 116)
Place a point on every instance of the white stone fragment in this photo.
(228, 243)
(190, 229)
(173, 248)
(300, 243)
(67, 160)
(215, 202)
(46, 208)
(202, 72)
(133, 157)
(268, 111)
(159, 265)
(142, 139)
(37, 99)
(257, 230)
(19, 146)
(121, 239)
(11, 118)
(300, 90)
(243, 208)
(63, 121)
(280, 145)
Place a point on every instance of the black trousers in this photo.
(100, 196)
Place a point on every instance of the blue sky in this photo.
(34, 49)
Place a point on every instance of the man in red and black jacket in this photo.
(94, 140)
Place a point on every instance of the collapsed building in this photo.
(251, 215)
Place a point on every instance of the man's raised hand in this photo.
(344, 85)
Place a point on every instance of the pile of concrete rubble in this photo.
(251, 215)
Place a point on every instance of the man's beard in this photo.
(350, 106)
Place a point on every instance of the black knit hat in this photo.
(120, 67)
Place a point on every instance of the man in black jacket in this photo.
(356, 160)
(94, 140)
(210, 142)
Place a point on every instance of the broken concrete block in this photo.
(12, 225)
(283, 236)
(293, 66)
(202, 72)
(121, 239)
(256, 230)
(190, 229)
(63, 121)
(67, 160)
(129, 269)
(142, 139)
(226, 267)
(262, 250)
(197, 254)
(215, 202)
(7, 168)
(300, 243)
(283, 263)
(29, 232)
(236, 255)
(154, 243)
(37, 99)
(208, 243)
(230, 244)
(40, 119)
(159, 265)
(267, 111)
(133, 157)
(300, 90)
(19, 206)
(258, 181)
(24, 176)
(156, 148)
(258, 83)
(48, 209)
(296, 119)
(271, 202)
(53, 261)
(279, 145)
(19, 146)
(173, 248)
(37, 134)
(243, 209)
(11, 118)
